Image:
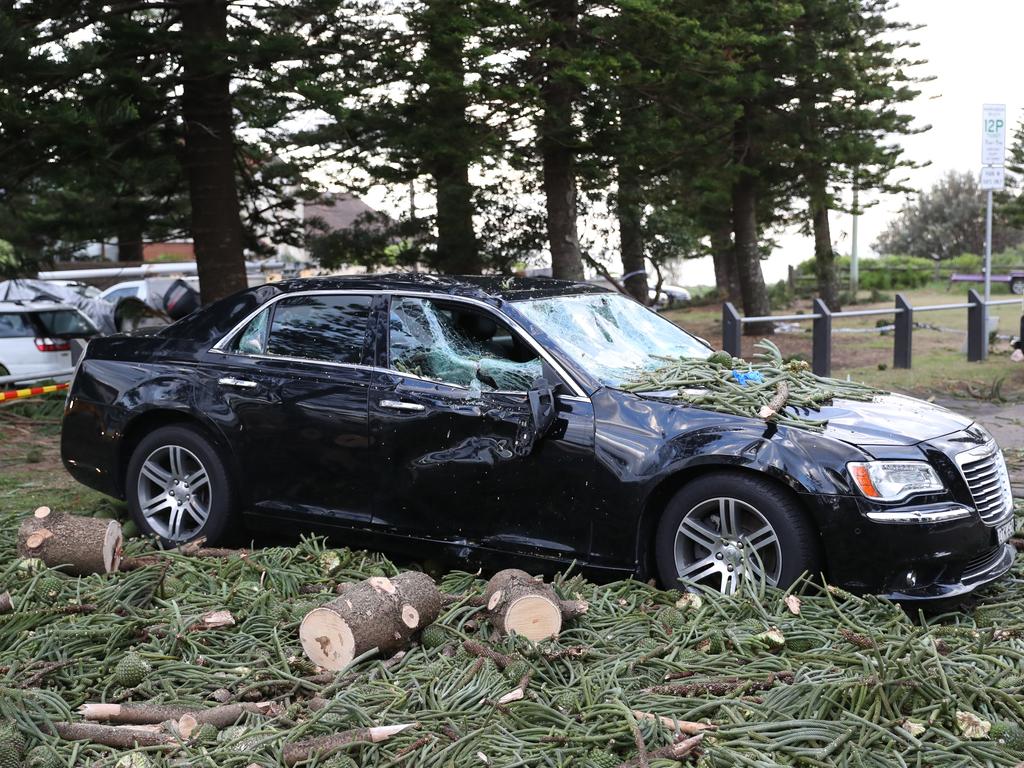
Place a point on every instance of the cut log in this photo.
(377, 613)
(517, 602)
(119, 736)
(77, 545)
(322, 746)
(6, 602)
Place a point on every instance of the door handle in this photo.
(398, 405)
(227, 381)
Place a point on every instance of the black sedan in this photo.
(485, 419)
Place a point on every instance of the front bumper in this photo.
(909, 561)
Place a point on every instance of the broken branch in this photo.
(323, 746)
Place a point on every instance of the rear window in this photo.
(14, 325)
(65, 323)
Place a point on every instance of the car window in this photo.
(253, 338)
(115, 296)
(328, 328)
(13, 325)
(65, 323)
(455, 344)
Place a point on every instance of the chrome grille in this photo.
(985, 472)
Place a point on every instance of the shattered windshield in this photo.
(610, 336)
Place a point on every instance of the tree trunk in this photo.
(209, 154)
(824, 256)
(76, 545)
(629, 212)
(746, 248)
(377, 613)
(129, 242)
(557, 139)
(458, 251)
(726, 277)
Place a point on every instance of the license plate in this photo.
(1005, 531)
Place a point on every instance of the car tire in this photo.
(178, 488)
(1017, 286)
(760, 517)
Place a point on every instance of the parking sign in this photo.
(993, 178)
(993, 134)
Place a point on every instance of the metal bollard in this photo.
(902, 348)
(977, 328)
(732, 329)
(821, 345)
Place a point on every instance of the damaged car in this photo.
(489, 420)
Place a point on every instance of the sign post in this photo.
(993, 155)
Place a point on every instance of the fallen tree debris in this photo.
(120, 736)
(683, 726)
(144, 713)
(723, 686)
(379, 613)
(517, 602)
(76, 545)
(324, 746)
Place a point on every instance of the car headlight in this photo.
(894, 480)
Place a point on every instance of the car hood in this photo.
(886, 420)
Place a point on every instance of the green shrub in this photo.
(885, 273)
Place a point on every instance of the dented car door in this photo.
(464, 460)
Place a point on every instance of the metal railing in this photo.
(63, 373)
(903, 329)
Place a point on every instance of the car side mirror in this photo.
(542, 407)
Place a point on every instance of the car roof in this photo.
(33, 306)
(471, 286)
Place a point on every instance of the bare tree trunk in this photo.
(129, 242)
(824, 256)
(458, 251)
(746, 234)
(209, 155)
(747, 252)
(727, 279)
(557, 140)
(630, 215)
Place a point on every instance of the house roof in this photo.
(336, 212)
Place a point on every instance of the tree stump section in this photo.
(517, 602)
(77, 545)
(377, 613)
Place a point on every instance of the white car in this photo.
(36, 338)
(150, 290)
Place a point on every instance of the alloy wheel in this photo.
(722, 542)
(174, 493)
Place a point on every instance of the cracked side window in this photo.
(459, 345)
(253, 338)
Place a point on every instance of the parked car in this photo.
(669, 297)
(36, 337)
(150, 290)
(485, 419)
